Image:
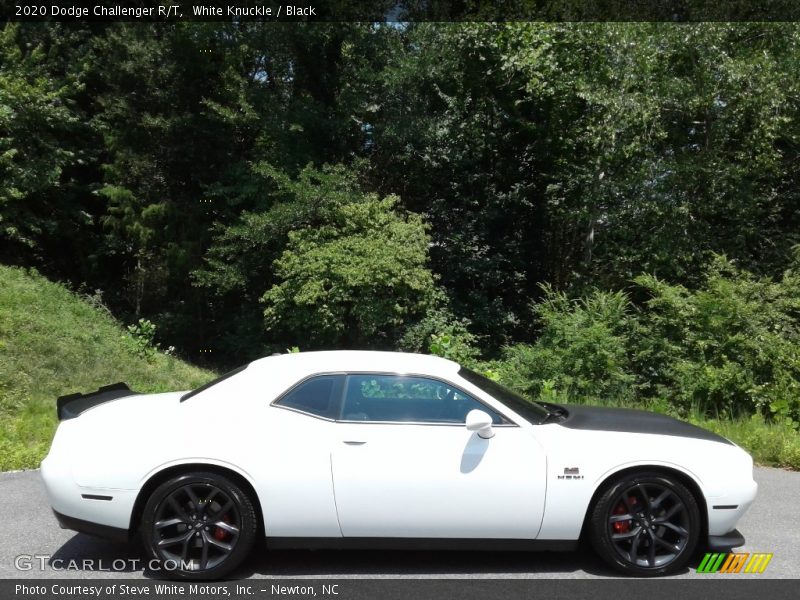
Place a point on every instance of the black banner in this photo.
(403, 10)
(732, 588)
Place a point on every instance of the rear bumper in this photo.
(723, 543)
(104, 531)
(100, 508)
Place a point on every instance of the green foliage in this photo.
(451, 347)
(443, 334)
(729, 348)
(454, 137)
(242, 252)
(357, 279)
(142, 335)
(581, 354)
(584, 154)
(35, 118)
(479, 168)
(773, 444)
(671, 141)
(574, 154)
(52, 343)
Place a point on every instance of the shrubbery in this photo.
(443, 334)
(729, 348)
(581, 351)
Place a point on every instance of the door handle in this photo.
(354, 442)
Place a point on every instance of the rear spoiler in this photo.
(72, 405)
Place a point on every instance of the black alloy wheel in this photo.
(198, 526)
(646, 524)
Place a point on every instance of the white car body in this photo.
(320, 480)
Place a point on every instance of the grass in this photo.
(769, 444)
(53, 342)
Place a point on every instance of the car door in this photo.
(404, 465)
(292, 468)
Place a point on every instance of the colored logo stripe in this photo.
(711, 563)
(734, 562)
(758, 563)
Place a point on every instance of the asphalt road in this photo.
(27, 528)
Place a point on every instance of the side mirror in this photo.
(479, 421)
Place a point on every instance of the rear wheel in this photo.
(645, 524)
(198, 526)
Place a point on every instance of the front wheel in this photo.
(645, 524)
(198, 526)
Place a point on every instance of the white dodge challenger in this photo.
(351, 449)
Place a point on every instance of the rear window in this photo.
(213, 382)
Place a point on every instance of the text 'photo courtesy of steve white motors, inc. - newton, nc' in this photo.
(138, 590)
(173, 11)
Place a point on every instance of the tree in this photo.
(455, 136)
(355, 280)
(677, 144)
(36, 115)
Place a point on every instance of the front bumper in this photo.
(723, 543)
(725, 510)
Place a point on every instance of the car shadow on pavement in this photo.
(89, 555)
(418, 563)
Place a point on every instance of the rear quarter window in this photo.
(318, 396)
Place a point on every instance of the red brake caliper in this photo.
(219, 533)
(623, 526)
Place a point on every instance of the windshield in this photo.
(529, 409)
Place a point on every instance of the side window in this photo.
(403, 398)
(317, 396)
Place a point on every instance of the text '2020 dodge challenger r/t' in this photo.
(356, 449)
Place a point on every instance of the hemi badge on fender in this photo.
(571, 473)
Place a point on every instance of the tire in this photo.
(197, 526)
(662, 532)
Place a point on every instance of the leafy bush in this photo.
(730, 348)
(441, 333)
(142, 335)
(356, 279)
(581, 354)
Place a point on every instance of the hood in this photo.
(601, 418)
